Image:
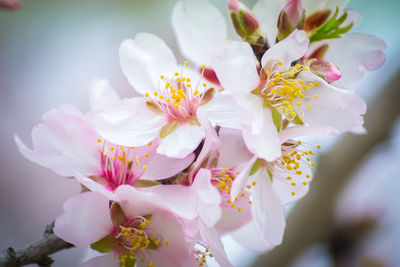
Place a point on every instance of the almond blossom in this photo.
(177, 102)
(67, 143)
(134, 230)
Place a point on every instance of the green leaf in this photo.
(144, 183)
(256, 166)
(104, 245)
(277, 118)
(331, 29)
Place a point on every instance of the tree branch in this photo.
(314, 216)
(37, 252)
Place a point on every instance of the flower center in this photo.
(134, 238)
(223, 179)
(123, 165)
(288, 165)
(202, 253)
(179, 97)
(284, 90)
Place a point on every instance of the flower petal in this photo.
(236, 68)
(267, 209)
(355, 53)
(130, 124)
(266, 144)
(212, 239)
(102, 95)
(86, 219)
(299, 131)
(108, 260)
(288, 50)
(242, 178)
(65, 142)
(164, 167)
(200, 30)
(249, 237)
(182, 141)
(144, 59)
(232, 149)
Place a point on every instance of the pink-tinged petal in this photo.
(10, 4)
(179, 251)
(249, 237)
(144, 59)
(355, 53)
(93, 185)
(231, 219)
(131, 124)
(267, 13)
(86, 219)
(266, 144)
(208, 197)
(353, 16)
(178, 198)
(241, 180)
(299, 184)
(267, 209)
(65, 142)
(288, 50)
(200, 30)
(109, 260)
(236, 68)
(299, 131)
(182, 141)
(222, 111)
(212, 239)
(102, 95)
(164, 167)
(250, 109)
(232, 149)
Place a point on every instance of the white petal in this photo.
(241, 179)
(266, 144)
(212, 240)
(108, 260)
(102, 95)
(267, 13)
(288, 50)
(236, 68)
(232, 149)
(131, 124)
(299, 131)
(355, 53)
(314, 5)
(267, 209)
(250, 237)
(200, 30)
(182, 141)
(144, 59)
(222, 111)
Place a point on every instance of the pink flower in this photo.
(10, 4)
(177, 102)
(67, 143)
(134, 229)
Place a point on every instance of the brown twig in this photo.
(37, 252)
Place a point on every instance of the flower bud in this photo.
(244, 22)
(326, 70)
(292, 17)
(10, 4)
(294, 10)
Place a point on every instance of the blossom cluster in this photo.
(212, 147)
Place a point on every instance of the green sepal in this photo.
(331, 29)
(256, 166)
(104, 245)
(269, 174)
(296, 120)
(277, 119)
(208, 96)
(144, 183)
(155, 108)
(117, 214)
(169, 128)
(266, 104)
(129, 262)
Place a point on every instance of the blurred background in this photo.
(50, 50)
